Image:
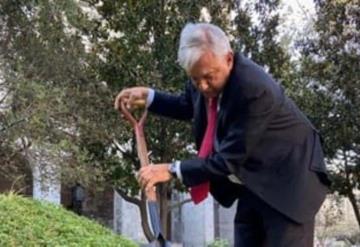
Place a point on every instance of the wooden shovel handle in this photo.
(130, 117)
(140, 142)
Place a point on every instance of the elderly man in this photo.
(255, 146)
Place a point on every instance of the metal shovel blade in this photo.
(160, 240)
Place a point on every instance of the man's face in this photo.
(210, 73)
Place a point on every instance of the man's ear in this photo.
(230, 58)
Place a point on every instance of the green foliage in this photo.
(331, 76)
(219, 243)
(256, 35)
(51, 87)
(27, 222)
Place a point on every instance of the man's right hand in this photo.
(131, 97)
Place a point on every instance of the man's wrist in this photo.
(150, 97)
(174, 169)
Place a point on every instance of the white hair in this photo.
(195, 39)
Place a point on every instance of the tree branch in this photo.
(12, 124)
(128, 198)
(5, 96)
(133, 73)
(179, 204)
(126, 154)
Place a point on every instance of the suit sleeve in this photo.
(250, 118)
(173, 106)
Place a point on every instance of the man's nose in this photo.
(203, 85)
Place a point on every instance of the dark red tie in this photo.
(200, 192)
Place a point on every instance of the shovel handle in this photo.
(139, 134)
(130, 117)
(144, 161)
(140, 142)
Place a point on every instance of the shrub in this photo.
(28, 222)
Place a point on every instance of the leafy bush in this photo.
(28, 222)
(219, 243)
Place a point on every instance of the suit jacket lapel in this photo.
(230, 91)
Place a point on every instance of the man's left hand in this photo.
(151, 175)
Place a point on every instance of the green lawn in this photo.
(27, 222)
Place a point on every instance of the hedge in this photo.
(28, 222)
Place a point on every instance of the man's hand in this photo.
(130, 96)
(151, 175)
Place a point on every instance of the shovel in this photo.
(142, 152)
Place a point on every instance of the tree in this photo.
(49, 82)
(257, 36)
(331, 79)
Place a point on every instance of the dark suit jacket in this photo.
(261, 137)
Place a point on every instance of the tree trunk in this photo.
(355, 206)
(350, 192)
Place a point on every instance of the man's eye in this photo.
(194, 81)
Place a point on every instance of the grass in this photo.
(28, 222)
